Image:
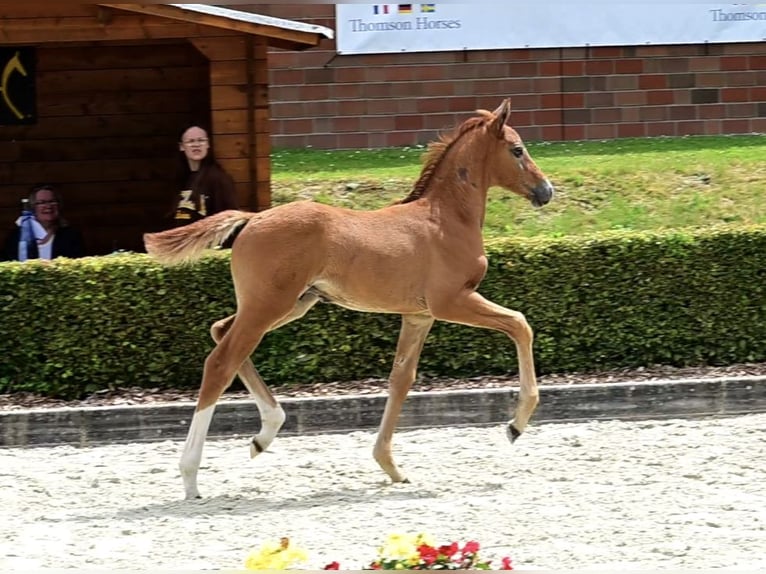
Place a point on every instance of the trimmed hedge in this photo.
(73, 327)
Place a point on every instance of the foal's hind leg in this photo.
(272, 414)
(473, 309)
(412, 336)
(221, 364)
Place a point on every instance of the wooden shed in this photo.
(94, 99)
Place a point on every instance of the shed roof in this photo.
(281, 33)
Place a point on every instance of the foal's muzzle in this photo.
(541, 194)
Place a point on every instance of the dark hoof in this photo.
(258, 448)
(406, 481)
(513, 433)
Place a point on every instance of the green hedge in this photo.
(70, 328)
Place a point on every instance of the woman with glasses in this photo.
(205, 187)
(54, 237)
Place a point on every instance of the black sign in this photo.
(18, 96)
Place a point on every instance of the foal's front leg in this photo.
(470, 308)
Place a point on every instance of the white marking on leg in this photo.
(272, 418)
(192, 453)
(272, 415)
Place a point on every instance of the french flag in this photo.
(380, 9)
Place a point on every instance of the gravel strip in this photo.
(137, 396)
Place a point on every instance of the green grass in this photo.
(635, 184)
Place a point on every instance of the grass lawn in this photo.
(637, 184)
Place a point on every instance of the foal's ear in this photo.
(502, 113)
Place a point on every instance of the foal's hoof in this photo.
(255, 448)
(512, 433)
(396, 481)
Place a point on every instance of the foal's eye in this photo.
(518, 151)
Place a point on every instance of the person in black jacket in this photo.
(205, 186)
(59, 239)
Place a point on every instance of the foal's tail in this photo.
(187, 243)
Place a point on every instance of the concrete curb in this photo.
(625, 401)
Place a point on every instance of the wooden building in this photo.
(95, 97)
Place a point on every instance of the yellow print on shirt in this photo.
(186, 202)
(187, 206)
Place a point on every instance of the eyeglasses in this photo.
(46, 202)
(198, 140)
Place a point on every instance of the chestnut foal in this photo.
(422, 258)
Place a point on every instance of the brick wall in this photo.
(330, 101)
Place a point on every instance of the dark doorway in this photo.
(108, 119)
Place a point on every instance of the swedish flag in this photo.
(428, 7)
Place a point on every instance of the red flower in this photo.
(448, 550)
(428, 554)
(471, 547)
(507, 563)
(332, 566)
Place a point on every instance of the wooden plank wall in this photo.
(110, 114)
(109, 118)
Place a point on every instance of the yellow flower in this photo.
(426, 539)
(275, 556)
(399, 546)
(404, 548)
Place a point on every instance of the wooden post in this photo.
(230, 109)
(259, 127)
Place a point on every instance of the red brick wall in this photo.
(330, 101)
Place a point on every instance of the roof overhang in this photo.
(281, 33)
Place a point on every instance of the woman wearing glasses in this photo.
(205, 187)
(54, 237)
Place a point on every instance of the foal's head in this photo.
(512, 167)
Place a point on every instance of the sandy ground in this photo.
(613, 495)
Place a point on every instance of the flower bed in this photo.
(400, 552)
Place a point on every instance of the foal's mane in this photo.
(437, 151)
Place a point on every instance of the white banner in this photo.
(387, 28)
